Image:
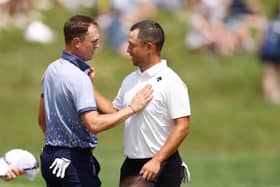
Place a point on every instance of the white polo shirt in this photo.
(147, 131)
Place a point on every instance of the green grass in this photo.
(233, 140)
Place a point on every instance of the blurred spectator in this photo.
(207, 30)
(270, 57)
(17, 13)
(223, 26)
(14, 12)
(122, 15)
(224, 40)
(173, 6)
(16, 6)
(199, 35)
(75, 5)
(242, 17)
(25, 14)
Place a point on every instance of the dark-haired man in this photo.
(152, 137)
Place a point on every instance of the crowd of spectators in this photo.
(216, 27)
(27, 15)
(219, 26)
(223, 26)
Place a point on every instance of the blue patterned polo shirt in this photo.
(67, 91)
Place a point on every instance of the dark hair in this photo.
(77, 26)
(150, 31)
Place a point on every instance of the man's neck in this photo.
(150, 63)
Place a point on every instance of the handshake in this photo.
(59, 166)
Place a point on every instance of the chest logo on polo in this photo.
(158, 79)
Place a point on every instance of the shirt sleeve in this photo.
(118, 101)
(178, 100)
(83, 95)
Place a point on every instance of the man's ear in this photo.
(150, 46)
(76, 42)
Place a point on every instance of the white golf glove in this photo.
(59, 166)
(186, 172)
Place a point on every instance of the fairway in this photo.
(234, 134)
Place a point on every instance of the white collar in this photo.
(154, 69)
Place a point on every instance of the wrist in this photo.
(132, 108)
(158, 158)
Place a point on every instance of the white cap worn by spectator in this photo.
(19, 158)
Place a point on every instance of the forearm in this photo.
(174, 140)
(97, 123)
(152, 168)
(104, 105)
